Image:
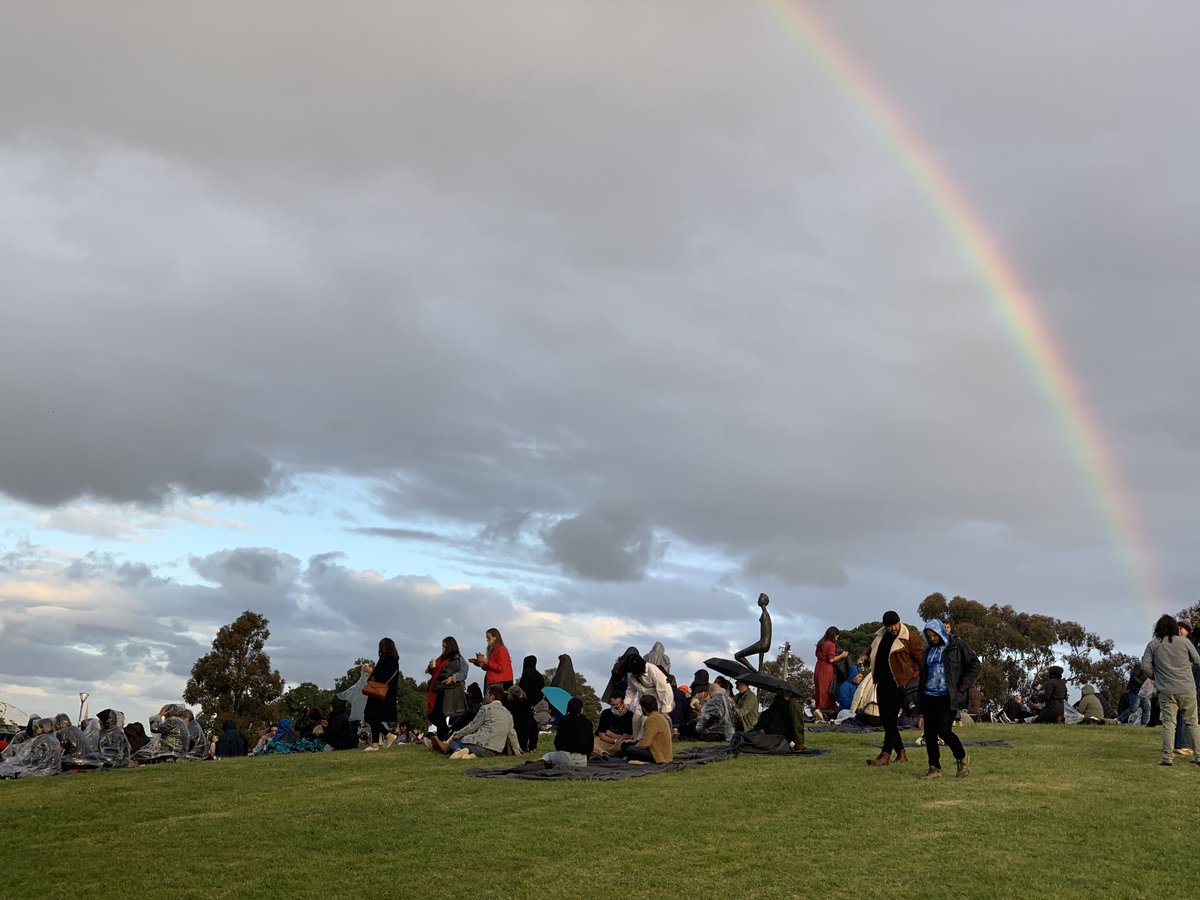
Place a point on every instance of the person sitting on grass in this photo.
(74, 745)
(38, 756)
(170, 741)
(403, 733)
(1016, 711)
(231, 742)
(746, 702)
(715, 719)
(780, 728)
(655, 744)
(848, 687)
(1054, 697)
(1089, 706)
(25, 734)
(113, 746)
(490, 733)
(197, 739)
(615, 726)
(573, 739)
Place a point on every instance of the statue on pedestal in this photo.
(763, 645)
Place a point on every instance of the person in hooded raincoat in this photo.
(197, 739)
(1089, 704)
(524, 723)
(658, 656)
(948, 669)
(617, 680)
(564, 675)
(1054, 693)
(74, 745)
(170, 741)
(780, 728)
(849, 686)
(25, 734)
(37, 757)
(113, 746)
(232, 742)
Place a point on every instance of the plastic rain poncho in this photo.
(113, 746)
(91, 729)
(74, 749)
(20, 738)
(197, 739)
(37, 757)
(170, 740)
(356, 698)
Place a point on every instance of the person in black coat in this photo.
(339, 733)
(1054, 689)
(380, 712)
(231, 742)
(524, 724)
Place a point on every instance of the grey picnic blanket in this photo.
(614, 769)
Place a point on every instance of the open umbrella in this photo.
(730, 667)
(768, 682)
(556, 697)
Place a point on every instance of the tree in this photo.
(797, 674)
(857, 640)
(235, 680)
(295, 700)
(1015, 647)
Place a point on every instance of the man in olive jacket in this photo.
(948, 669)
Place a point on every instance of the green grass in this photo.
(1063, 812)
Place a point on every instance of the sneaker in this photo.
(462, 753)
(964, 767)
(1185, 751)
(933, 773)
(370, 750)
(1166, 762)
(921, 741)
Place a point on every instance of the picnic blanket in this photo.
(854, 729)
(614, 769)
(915, 746)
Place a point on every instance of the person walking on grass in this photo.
(1169, 659)
(895, 654)
(948, 669)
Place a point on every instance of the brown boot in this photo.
(902, 756)
(881, 760)
(439, 746)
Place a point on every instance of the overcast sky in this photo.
(588, 321)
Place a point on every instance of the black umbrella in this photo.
(767, 682)
(730, 667)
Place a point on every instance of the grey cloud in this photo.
(401, 534)
(604, 544)
(785, 558)
(259, 566)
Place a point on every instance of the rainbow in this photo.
(1012, 302)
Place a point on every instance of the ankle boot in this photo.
(902, 756)
(881, 760)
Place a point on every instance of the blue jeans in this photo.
(1138, 712)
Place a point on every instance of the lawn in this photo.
(1062, 812)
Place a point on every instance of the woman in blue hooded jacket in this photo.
(948, 668)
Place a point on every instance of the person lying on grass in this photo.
(655, 745)
(573, 739)
(490, 733)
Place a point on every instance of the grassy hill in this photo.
(1062, 812)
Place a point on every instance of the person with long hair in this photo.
(380, 712)
(1169, 659)
(825, 682)
(643, 679)
(496, 663)
(446, 695)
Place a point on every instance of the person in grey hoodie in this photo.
(1169, 660)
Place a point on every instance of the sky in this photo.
(585, 321)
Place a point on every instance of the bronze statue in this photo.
(764, 637)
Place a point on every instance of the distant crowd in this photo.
(908, 677)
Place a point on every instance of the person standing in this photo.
(895, 660)
(948, 669)
(447, 694)
(824, 674)
(497, 665)
(380, 712)
(1169, 659)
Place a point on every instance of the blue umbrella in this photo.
(556, 697)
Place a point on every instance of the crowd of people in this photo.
(908, 677)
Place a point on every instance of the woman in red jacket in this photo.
(496, 663)
(824, 675)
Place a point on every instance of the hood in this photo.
(338, 705)
(282, 727)
(62, 720)
(1054, 672)
(853, 670)
(229, 725)
(1087, 689)
(529, 666)
(936, 626)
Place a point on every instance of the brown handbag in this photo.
(377, 689)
